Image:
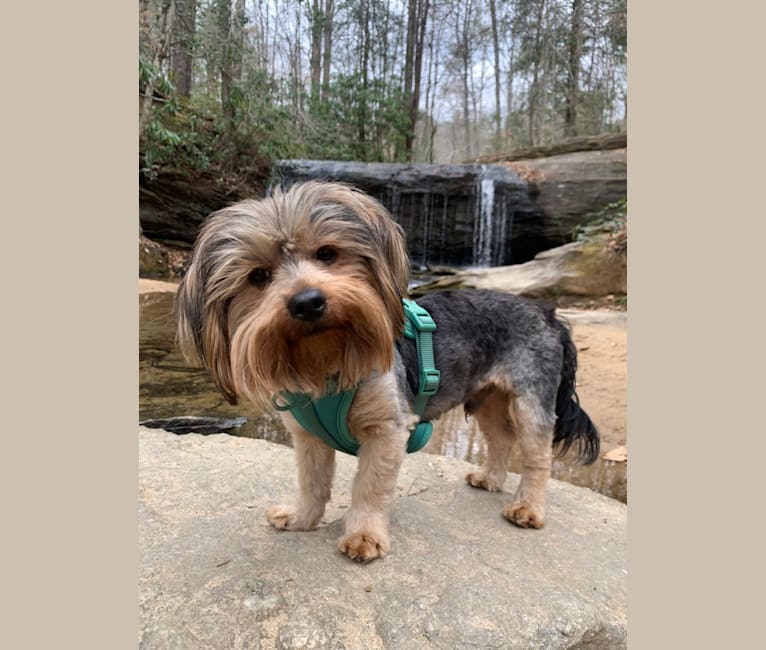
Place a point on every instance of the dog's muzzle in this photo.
(308, 305)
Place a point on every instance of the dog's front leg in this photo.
(316, 468)
(366, 523)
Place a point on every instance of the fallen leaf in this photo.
(617, 455)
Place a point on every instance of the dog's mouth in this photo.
(311, 330)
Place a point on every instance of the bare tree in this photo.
(329, 15)
(496, 52)
(181, 51)
(156, 33)
(573, 69)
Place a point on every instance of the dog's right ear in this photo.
(202, 328)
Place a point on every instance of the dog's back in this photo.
(489, 340)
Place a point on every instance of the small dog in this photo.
(306, 285)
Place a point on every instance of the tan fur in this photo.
(242, 331)
(494, 418)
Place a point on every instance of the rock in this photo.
(183, 424)
(451, 214)
(569, 189)
(156, 260)
(172, 206)
(536, 203)
(147, 286)
(575, 269)
(214, 574)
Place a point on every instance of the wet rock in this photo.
(193, 424)
(451, 214)
(172, 206)
(575, 269)
(214, 574)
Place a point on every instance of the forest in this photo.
(227, 86)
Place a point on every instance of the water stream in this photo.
(169, 387)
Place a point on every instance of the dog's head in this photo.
(286, 292)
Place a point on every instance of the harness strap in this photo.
(327, 417)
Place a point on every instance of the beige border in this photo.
(70, 323)
(695, 325)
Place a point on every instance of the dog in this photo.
(306, 286)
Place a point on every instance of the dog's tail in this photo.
(573, 424)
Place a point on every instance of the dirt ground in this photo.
(602, 379)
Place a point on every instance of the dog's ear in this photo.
(202, 327)
(391, 269)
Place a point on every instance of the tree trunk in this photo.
(329, 15)
(421, 20)
(160, 47)
(181, 53)
(223, 23)
(316, 47)
(573, 69)
(238, 40)
(496, 50)
(362, 129)
(534, 91)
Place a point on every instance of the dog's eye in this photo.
(259, 277)
(327, 254)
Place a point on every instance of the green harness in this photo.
(327, 417)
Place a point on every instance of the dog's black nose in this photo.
(307, 305)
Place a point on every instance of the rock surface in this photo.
(537, 202)
(451, 214)
(215, 575)
(569, 189)
(575, 269)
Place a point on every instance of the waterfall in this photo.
(484, 202)
(492, 219)
(459, 215)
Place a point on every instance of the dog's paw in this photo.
(363, 546)
(485, 481)
(523, 515)
(289, 518)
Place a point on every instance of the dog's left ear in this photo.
(391, 269)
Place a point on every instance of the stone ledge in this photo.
(214, 574)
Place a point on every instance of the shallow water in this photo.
(170, 387)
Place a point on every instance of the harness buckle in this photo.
(420, 317)
(429, 382)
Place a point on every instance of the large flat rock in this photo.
(214, 574)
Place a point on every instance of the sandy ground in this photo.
(601, 339)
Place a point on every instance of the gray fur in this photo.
(487, 338)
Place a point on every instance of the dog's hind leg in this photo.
(316, 467)
(535, 435)
(494, 418)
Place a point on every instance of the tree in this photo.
(573, 69)
(496, 52)
(182, 47)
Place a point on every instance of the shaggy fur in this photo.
(307, 285)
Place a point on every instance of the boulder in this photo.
(575, 269)
(569, 189)
(156, 260)
(173, 205)
(214, 574)
(451, 214)
(471, 214)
